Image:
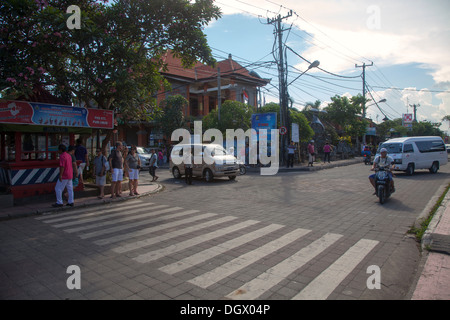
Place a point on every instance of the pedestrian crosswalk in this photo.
(214, 247)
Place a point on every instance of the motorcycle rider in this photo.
(383, 160)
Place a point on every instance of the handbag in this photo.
(107, 168)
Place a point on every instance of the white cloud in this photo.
(342, 33)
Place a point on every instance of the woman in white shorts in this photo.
(134, 164)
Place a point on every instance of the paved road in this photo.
(302, 235)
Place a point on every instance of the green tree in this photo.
(347, 114)
(425, 128)
(113, 61)
(172, 115)
(305, 130)
(233, 115)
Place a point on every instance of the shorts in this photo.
(81, 168)
(133, 174)
(117, 175)
(100, 181)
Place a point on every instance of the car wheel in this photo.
(435, 167)
(176, 173)
(208, 175)
(410, 169)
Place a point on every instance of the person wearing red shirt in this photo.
(311, 153)
(65, 177)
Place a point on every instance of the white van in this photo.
(413, 153)
(215, 161)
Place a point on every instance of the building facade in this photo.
(200, 86)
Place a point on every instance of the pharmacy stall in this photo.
(30, 133)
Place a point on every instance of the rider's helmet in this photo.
(383, 150)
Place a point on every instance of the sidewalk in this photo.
(317, 165)
(434, 281)
(88, 199)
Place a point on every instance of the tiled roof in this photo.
(228, 68)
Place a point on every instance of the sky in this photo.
(408, 43)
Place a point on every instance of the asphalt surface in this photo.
(328, 215)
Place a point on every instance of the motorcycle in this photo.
(367, 157)
(382, 184)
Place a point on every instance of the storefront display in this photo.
(30, 134)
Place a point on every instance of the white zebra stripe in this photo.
(156, 254)
(276, 274)
(213, 276)
(74, 214)
(322, 286)
(111, 216)
(170, 235)
(146, 215)
(130, 225)
(210, 253)
(145, 231)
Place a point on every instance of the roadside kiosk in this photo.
(30, 133)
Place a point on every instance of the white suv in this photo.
(215, 161)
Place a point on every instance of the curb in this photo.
(49, 211)
(339, 163)
(427, 238)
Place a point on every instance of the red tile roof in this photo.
(228, 68)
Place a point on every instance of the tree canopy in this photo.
(112, 61)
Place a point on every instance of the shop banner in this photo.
(19, 112)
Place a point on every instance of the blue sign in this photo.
(266, 121)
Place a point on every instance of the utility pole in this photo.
(283, 82)
(415, 106)
(364, 92)
(219, 93)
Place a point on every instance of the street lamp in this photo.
(315, 64)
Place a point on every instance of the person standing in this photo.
(134, 164)
(187, 161)
(116, 164)
(65, 177)
(100, 172)
(311, 153)
(327, 152)
(153, 165)
(71, 151)
(81, 154)
(291, 153)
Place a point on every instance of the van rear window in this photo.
(391, 147)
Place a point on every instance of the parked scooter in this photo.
(382, 184)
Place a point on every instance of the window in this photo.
(42, 146)
(430, 146)
(391, 147)
(408, 148)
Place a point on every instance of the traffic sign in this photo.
(283, 131)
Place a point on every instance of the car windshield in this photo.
(391, 147)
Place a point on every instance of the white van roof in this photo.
(412, 139)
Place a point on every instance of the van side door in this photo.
(409, 155)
